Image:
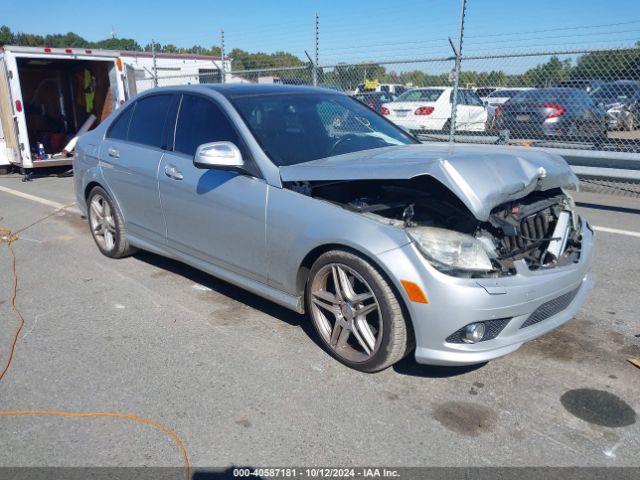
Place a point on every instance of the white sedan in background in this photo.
(429, 108)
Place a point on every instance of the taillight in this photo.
(18, 106)
(558, 111)
(498, 112)
(68, 50)
(384, 111)
(47, 50)
(424, 111)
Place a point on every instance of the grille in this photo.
(492, 330)
(532, 229)
(550, 308)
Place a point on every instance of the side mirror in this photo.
(222, 155)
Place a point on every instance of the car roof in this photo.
(235, 90)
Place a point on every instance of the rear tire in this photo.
(372, 341)
(107, 225)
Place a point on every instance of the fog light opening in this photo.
(473, 332)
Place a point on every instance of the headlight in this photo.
(448, 250)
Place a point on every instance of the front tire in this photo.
(356, 313)
(107, 225)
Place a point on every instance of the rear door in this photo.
(476, 111)
(213, 215)
(7, 118)
(130, 156)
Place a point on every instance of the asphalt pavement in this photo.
(243, 381)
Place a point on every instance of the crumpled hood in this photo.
(482, 176)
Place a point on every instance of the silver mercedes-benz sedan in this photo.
(457, 254)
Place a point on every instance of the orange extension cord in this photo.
(7, 236)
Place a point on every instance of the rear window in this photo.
(544, 96)
(505, 93)
(120, 128)
(148, 120)
(615, 92)
(427, 95)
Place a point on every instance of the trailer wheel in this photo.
(5, 169)
(107, 225)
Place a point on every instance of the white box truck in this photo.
(47, 94)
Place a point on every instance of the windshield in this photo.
(297, 128)
(614, 92)
(428, 95)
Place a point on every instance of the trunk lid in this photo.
(483, 177)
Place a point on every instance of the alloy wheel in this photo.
(346, 312)
(102, 222)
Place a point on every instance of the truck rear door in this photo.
(8, 118)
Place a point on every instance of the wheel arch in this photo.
(90, 186)
(307, 262)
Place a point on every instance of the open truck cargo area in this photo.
(50, 96)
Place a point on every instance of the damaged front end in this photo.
(539, 230)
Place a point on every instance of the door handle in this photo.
(112, 152)
(172, 172)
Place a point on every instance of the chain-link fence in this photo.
(572, 100)
(566, 99)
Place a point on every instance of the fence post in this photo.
(223, 65)
(155, 64)
(456, 71)
(315, 51)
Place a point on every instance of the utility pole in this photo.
(155, 64)
(456, 80)
(315, 51)
(223, 79)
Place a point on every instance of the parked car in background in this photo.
(621, 100)
(497, 98)
(394, 88)
(374, 100)
(552, 112)
(430, 108)
(457, 254)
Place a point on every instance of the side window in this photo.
(202, 121)
(120, 128)
(474, 99)
(462, 97)
(148, 120)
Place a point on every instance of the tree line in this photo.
(242, 60)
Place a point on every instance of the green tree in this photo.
(612, 65)
(6, 36)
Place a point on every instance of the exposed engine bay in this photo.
(540, 228)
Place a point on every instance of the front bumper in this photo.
(455, 302)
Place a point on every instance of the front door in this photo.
(213, 215)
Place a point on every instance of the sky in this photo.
(348, 30)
